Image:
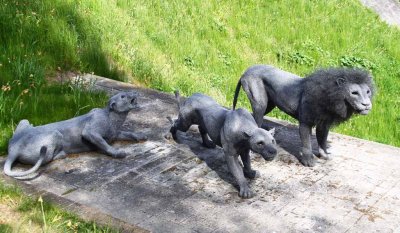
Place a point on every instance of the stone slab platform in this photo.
(167, 186)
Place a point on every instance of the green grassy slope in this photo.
(198, 46)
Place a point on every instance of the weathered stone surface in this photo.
(168, 186)
(388, 10)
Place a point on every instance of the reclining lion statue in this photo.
(235, 131)
(93, 131)
(325, 98)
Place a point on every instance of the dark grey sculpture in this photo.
(235, 131)
(92, 131)
(324, 98)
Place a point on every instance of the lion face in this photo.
(263, 143)
(359, 97)
(123, 102)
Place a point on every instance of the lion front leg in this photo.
(90, 134)
(231, 158)
(124, 135)
(100, 143)
(322, 132)
(306, 155)
(247, 171)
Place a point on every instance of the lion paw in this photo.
(173, 131)
(245, 192)
(307, 159)
(168, 136)
(251, 174)
(324, 154)
(142, 137)
(120, 154)
(209, 144)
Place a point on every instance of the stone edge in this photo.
(84, 212)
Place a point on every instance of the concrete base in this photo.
(168, 186)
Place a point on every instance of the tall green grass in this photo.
(35, 42)
(204, 46)
(200, 46)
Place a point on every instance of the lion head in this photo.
(123, 102)
(262, 142)
(337, 93)
(358, 96)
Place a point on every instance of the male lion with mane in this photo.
(325, 98)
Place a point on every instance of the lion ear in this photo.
(247, 133)
(272, 131)
(340, 81)
(111, 105)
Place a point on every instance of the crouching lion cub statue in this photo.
(94, 130)
(325, 98)
(235, 131)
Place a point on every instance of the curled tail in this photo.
(178, 99)
(9, 162)
(236, 94)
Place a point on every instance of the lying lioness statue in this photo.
(236, 131)
(92, 131)
(324, 98)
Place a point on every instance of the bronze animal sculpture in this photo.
(235, 131)
(325, 98)
(92, 131)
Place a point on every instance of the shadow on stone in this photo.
(288, 138)
(214, 158)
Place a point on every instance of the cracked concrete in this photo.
(167, 186)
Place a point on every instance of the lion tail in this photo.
(235, 98)
(11, 159)
(178, 98)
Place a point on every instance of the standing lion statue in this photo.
(325, 98)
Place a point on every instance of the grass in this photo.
(40, 216)
(204, 46)
(195, 46)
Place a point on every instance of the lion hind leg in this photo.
(271, 105)
(207, 142)
(258, 97)
(322, 132)
(60, 155)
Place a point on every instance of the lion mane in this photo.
(324, 94)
